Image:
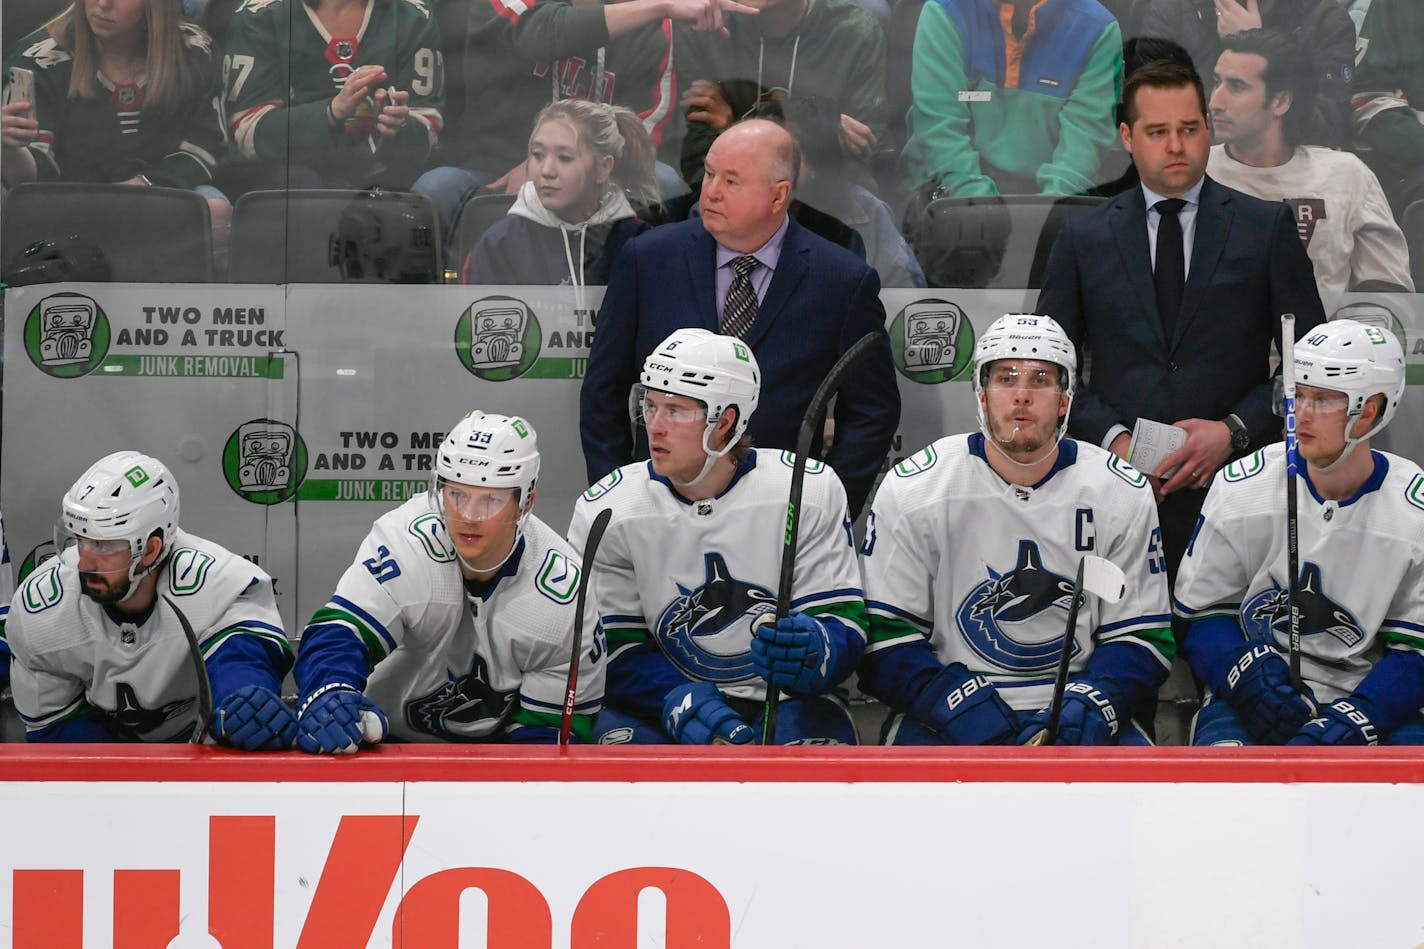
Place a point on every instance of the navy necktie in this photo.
(1169, 274)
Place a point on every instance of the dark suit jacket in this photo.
(821, 299)
(1248, 267)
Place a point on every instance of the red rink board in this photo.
(772, 765)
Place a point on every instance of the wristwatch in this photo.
(1240, 437)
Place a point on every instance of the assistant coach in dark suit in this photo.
(1176, 304)
(746, 269)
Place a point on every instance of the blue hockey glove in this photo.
(793, 653)
(1345, 721)
(695, 714)
(1088, 717)
(965, 709)
(255, 718)
(1258, 687)
(336, 720)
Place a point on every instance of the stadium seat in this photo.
(68, 230)
(479, 215)
(1412, 222)
(334, 236)
(993, 242)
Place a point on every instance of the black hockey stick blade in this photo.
(810, 424)
(1104, 580)
(1292, 518)
(590, 550)
(1060, 681)
(205, 688)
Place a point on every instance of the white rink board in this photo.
(806, 865)
(340, 408)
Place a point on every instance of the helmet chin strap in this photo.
(1001, 446)
(712, 455)
(1350, 444)
(136, 575)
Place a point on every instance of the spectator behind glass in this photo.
(120, 91)
(1011, 98)
(1262, 99)
(830, 49)
(519, 57)
(331, 93)
(827, 202)
(1320, 26)
(572, 214)
(1388, 88)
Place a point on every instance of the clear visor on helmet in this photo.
(653, 406)
(470, 503)
(1310, 399)
(1007, 375)
(93, 555)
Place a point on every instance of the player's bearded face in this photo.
(104, 570)
(1023, 401)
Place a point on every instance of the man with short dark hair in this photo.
(1176, 290)
(1259, 108)
(746, 269)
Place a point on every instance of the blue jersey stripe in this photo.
(366, 618)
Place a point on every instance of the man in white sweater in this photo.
(1261, 99)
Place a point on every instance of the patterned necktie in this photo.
(739, 311)
(1170, 272)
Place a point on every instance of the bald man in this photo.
(744, 268)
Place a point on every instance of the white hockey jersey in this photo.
(984, 569)
(72, 654)
(1361, 565)
(691, 576)
(454, 666)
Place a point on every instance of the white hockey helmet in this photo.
(1025, 336)
(123, 496)
(489, 451)
(1358, 360)
(718, 371)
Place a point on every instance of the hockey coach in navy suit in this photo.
(1174, 290)
(746, 269)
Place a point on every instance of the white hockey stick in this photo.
(1103, 579)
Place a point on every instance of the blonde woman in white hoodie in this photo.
(573, 214)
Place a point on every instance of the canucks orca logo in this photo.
(995, 608)
(706, 631)
(131, 721)
(1269, 610)
(467, 708)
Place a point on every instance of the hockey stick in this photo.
(205, 688)
(810, 424)
(1104, 580)
(1292, 466)
(590, 550)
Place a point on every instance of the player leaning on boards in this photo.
(969, 557)
(1361, 591)
(456, 616)
(101, 653)
(687, 573)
